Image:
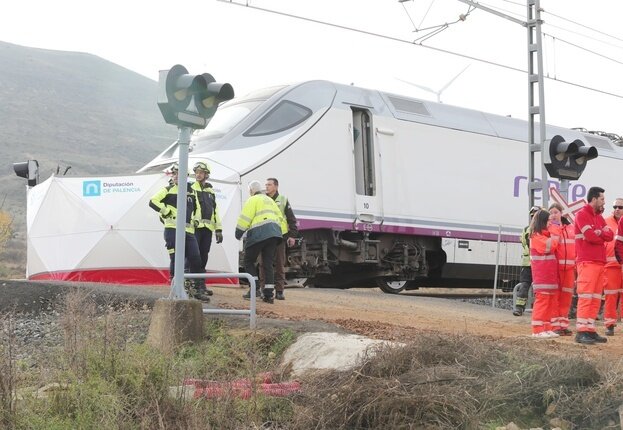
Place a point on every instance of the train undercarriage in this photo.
(344, 259)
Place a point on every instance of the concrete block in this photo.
(175, 323)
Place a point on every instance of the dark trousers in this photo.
(266, 249)
(204, 241)
(525, 277)
(280, 270)
(193, 259)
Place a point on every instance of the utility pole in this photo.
(536, 94)
(535, 83)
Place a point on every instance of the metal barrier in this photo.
(250, 311)
(507, 270)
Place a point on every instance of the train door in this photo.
(368, 203)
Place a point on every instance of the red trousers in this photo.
(590, 287)
(543, 310)
(566, 280)
(612, 290)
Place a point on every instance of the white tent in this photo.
(101, 229)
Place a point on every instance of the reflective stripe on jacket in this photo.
(611, 260)
(590, 236)
(543, 261)
(525, 246)
(165, 203)
(207, 213)
(565, 252)
(261, 219)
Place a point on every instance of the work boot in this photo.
(597, 338)
(267, 293)
(610, 331)
(200, 295)
(584, 337)
(280, 295)
(518, 311)
(247, 295)
(195, 290)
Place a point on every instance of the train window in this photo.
(285, 115)
(365, 182)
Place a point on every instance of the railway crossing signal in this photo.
(567, 160)
(29, 170)
(190, 100)
(568, 209)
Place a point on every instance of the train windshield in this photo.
(229, 115)
(227, 118)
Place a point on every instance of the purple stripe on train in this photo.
(310, 224)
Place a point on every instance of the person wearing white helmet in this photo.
(262, 222)
(209, 221)
(165, 203)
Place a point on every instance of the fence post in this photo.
(497, 265)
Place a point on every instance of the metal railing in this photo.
(251, 311)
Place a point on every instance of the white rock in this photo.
(329, 351)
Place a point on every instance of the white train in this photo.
(389, 191)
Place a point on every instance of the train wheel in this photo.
(389, 286)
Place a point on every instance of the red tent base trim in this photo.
(118, 276)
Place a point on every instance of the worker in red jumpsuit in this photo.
(564, 231)
(612, 286)
(544, 275)
(591, 235)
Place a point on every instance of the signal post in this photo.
(189, 102)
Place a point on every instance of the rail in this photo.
(251, 311)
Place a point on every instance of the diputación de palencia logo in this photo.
(96, 188)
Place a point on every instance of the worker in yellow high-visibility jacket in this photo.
(262, 222)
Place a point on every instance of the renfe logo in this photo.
(520, 185)
(91, 188)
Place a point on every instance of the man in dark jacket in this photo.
(272, 191)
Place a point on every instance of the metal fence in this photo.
(252, 308)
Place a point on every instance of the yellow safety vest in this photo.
(261, 219)
(165, 202)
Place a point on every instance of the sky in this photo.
(251, 48)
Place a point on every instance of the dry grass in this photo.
(435, 382)
(460, 382)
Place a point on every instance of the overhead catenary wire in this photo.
(441, 50)
(584, 26)
(590, 51)
(615, 45)
(409, 16)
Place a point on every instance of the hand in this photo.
(219, 236)
(165, 212)
(291, 242)
(195, 223)
(598, 232)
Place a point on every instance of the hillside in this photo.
(72, 109)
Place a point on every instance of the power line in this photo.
(583, 35)
(584, 49)
(584, 26)
(409, 16)
(396, 39)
